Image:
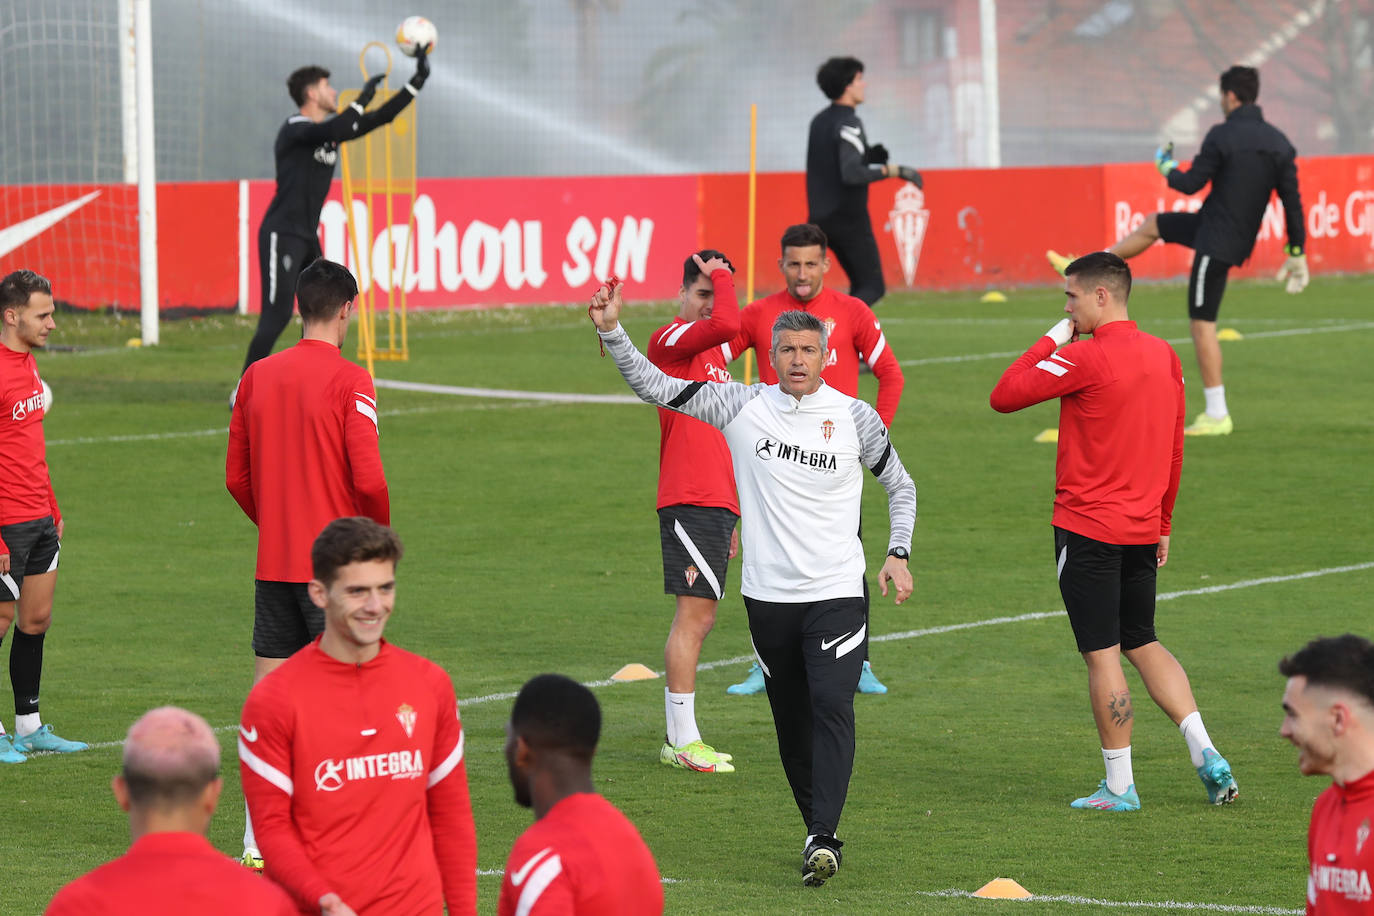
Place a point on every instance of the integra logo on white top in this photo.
(767, 449)
(331, 774)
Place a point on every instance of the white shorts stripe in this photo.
(1063, 557)
(1052, 368)
(271, 270)
(53, 564)
(11, 585)
(877, 351)
(437, 774)
(852, 643)
(1199, 291)
(264, 769)
(706, 571)
(370, 412)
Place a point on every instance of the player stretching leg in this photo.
(30, 523)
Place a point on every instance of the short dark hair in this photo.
(322, 289)
(804, 235)
(690, 270)
(1102, 268)
(303, 79)
(16, 288)
(357, 539)
(1346, 662)
(835, 75)
(797, 320)
(1243, 81)
(555, 712)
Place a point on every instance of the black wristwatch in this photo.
(900, 553)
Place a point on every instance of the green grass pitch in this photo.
(532, 546)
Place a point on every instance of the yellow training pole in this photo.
(749, 268)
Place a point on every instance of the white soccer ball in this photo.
(415, 32)
(47, 398)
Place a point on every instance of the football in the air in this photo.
(416, 32)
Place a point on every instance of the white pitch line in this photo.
(1135, 904)
(915, 634)
(1006, 354)
(511, 394)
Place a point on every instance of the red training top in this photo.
(855, 334)
(27, 494)
(356, 784)
(694, 466)
(303, 451)
(171, 874)
(1340, 848)
(582, 858)
(1121, 413)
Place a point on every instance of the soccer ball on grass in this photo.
(416, 32)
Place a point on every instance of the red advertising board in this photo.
(497, 241)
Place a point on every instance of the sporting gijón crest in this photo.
(406, 715)
(690, 574)
(828, 429)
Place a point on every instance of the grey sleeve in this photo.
(881, 458)
(716, 403)
(852, 147)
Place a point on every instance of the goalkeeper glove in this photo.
(1294, 270)
(367, 92)
(1164, 159)
(421, 68)
(876, 155)
(1063, 332)
(907, 173)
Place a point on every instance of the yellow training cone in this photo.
(1049, 435)
(1230, 334)
(993, 295)
(634, 672)
(1002, 889)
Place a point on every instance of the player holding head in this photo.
(303, 450)
(840, 165)
(169, 785)
(306, 150)
(352, 752)
(855, 336)
(1328, 715)
(580, 857)
(697, 506)
(1121, 410)
(30, 523)
(798, 448)
(1245, 159)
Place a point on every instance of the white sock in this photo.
(1195, 733)
(249, 840)
(28, 724)
(1119, 774)
(682, 717)
(1216, 401)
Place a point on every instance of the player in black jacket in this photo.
(1245, 158)
(840, 165)
(306, 150)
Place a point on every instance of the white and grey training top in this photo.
(797, 468)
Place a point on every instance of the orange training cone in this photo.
(1002, 889)
(634, 672)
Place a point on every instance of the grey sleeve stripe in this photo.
(716, 403)
(882, 459)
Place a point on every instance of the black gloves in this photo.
(368, 91)
(876, 155)
(907, 173)
(421, 68)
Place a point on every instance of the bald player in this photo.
(169, 785)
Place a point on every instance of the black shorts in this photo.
(34, 549)
(284, 618)
(1108, 590)
(696, 549)
(1207, 279)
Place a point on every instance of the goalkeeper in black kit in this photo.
(306, 150)
(840, 165)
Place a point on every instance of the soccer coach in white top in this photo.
(799, 448)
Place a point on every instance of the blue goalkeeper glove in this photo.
(1164, 159)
